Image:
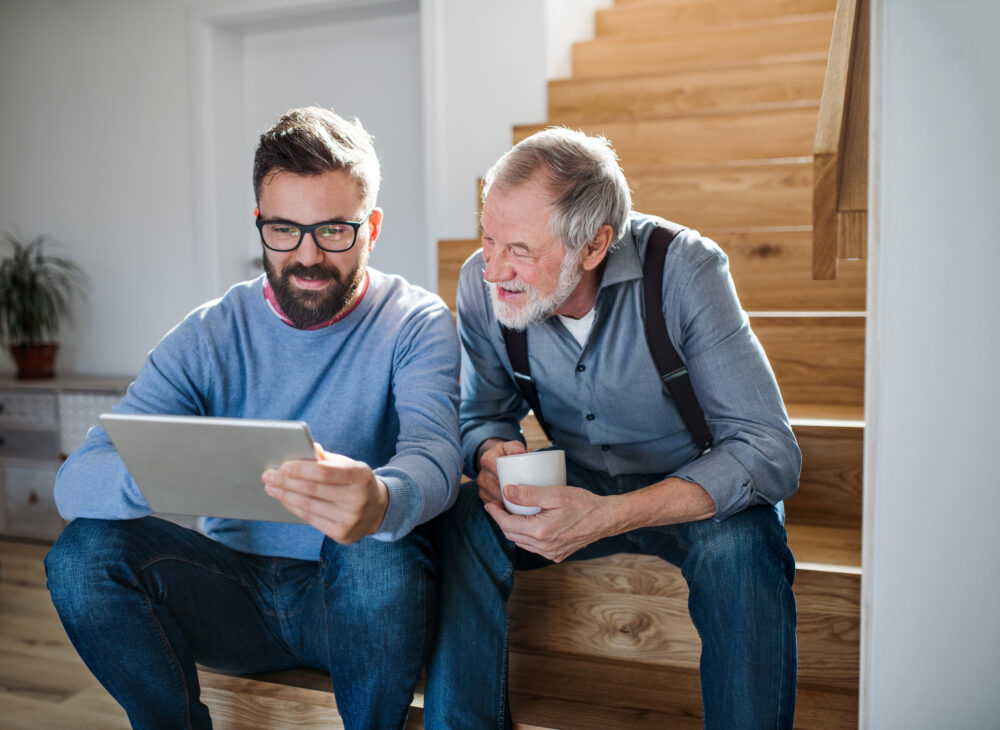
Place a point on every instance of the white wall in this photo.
(931, 577)
(102, 143)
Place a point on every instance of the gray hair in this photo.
(582, 174)
(312, 141)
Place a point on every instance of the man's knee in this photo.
(741, 550)
(373, 572)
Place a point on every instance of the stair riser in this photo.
(623, 56)
(645, 20)
(705, 139)
(574, 102)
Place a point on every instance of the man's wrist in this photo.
(485, 446)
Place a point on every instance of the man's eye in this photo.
(283, 230)
(337, 231)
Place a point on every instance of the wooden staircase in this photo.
(712, 106)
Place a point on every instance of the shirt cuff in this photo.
(399, 518)
(725, 479)
(474, 437)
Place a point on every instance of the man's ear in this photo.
(374, 227)
(596, 251)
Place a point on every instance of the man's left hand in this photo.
(338, 496)
(571, 518)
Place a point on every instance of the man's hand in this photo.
(571, 518)
(338, 496)
(489, 451)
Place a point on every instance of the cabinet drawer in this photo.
(29, 503)
(20, 408)
(28, 444)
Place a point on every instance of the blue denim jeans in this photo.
(739, 572)
(143, 600)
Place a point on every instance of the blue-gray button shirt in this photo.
(605, 403)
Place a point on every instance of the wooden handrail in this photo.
(840, 150)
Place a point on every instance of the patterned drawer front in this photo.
(20, 408)
(78, 412)
(28, 444)
(29, 505)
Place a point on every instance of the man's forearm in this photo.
(668, 502)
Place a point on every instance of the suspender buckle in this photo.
(523, 377)
(674, 374)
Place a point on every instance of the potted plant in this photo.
(36, 293)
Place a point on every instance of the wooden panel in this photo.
(816, 359)
(826, 184)
(671, 691)
(773, 272)
(728, 196)
(644, 20)
(852, 236)
(658, 143)
(634, 607)
(830, 484)
(588, 100)
(836, 546)
(452, 253)
(672, 52)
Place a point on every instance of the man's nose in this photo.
(308, 253)
(498, 266)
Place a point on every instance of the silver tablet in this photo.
(196, 465)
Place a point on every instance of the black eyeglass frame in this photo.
(304, 229)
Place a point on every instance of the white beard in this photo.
(537, 308)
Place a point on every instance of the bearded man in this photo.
(371, 364)
(562, 262)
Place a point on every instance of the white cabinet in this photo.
(41, 422)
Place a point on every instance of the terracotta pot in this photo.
(35, 361)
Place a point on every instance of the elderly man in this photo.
(562, 259)
(371, 364)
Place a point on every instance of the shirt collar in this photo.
(622, 263)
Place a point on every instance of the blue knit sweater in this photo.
(379, 386)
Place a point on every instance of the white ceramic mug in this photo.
(536, 468)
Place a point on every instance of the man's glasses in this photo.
(331, 236)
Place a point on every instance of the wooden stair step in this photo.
(671, 695)
(708, 138)
(830, 485)
(824, 548)
(587, 100)
(807, 37)
(768, 194)
(634, 608)
(816, 359)
(647, 19)
(772, 270)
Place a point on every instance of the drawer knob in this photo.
(33, 497)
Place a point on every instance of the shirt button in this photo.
(590, 416)
(605, 447)
(581, 368)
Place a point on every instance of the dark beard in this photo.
(310, 308)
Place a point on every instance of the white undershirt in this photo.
(579, 328)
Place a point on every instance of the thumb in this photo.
(524, 495)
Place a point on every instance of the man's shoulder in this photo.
(688, 251)
(395, 295)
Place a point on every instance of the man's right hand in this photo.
(489, 450)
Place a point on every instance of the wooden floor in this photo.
(43, 683)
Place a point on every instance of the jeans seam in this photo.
(173, 660)
(139, 570)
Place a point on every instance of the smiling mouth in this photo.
(308, 283)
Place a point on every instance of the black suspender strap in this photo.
(668, 362)
(517, 350)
